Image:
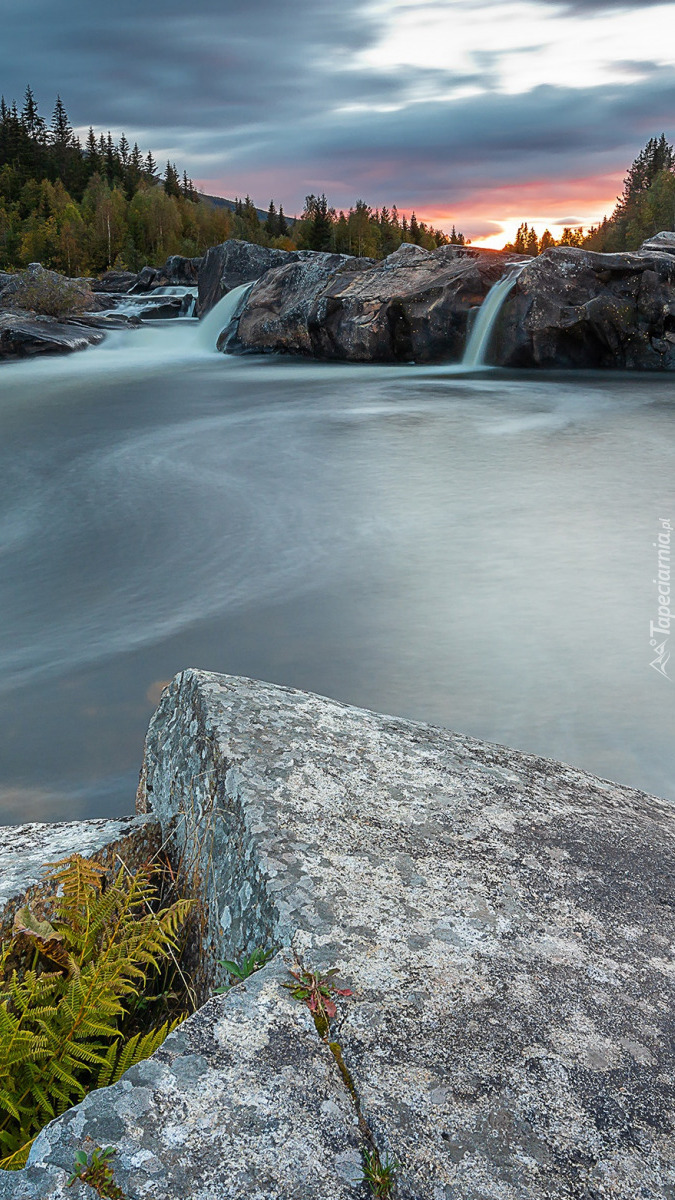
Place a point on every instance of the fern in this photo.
(66, 1030)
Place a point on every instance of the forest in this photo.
(82, 208)
(645, 207)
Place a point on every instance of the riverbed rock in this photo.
(24, 335)
(576, 308)
(412, 306)
(278, 312)
(505, 926)
(118, 282)
(664, 241)
(232, 263)
(176, 272)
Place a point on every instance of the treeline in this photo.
(645, 207)
(81, 208)
(362, 231)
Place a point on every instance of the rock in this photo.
(243, 1100)
(232, 263)
(176, 272)
(5, 280)
(412, 306)
(576, 308)
(278, 313)
(664, 241)
(119, 282)
(503, 921)
(24, 850)
(48, 287)
(24, 335)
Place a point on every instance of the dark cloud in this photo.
(276, 98)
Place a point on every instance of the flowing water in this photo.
(477, 347)
(471, 550)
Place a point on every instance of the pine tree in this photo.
(150, 166)
(414, 229)
(532, 243)
(271, 224)
(171, 184)
(30, 117)
(123, 150)
(319, 221)
(547, 241)
(92, 151)
(282, 224)
(61, 129)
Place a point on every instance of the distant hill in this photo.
(221, 202)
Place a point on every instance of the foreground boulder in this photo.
(503, 922)
(24, 335)
(412, 306)
(576, 308)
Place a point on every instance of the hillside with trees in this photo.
(82, 208)
(645, 207)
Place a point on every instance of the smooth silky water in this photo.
(474, 550)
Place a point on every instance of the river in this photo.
(475, 550)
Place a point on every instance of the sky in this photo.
(477, 113)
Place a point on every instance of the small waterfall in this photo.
(478, 342)
(213, 324)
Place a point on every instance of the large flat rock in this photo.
(505, 923)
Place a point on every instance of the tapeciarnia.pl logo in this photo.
(659, 630)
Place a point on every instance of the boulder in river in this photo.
(412, 306)
(176, 272)
(118, 282)
(23, 335)
(232, 263)
(577, 308)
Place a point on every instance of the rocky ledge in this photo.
(569, 307)
(504, 922)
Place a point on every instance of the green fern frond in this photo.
(63, 1031)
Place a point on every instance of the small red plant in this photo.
(318, 992)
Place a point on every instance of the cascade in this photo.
(478, 341)
(221, 315)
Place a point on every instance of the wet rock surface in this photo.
(504, 922)
(24, 335)
(575, 308)
(176, 272)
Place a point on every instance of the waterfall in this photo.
(478, 341)
(221, 316)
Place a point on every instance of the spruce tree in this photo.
(271, 224)
(282, 223)
(30, 117)
(61, 129)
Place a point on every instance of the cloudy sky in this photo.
(481, 113)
